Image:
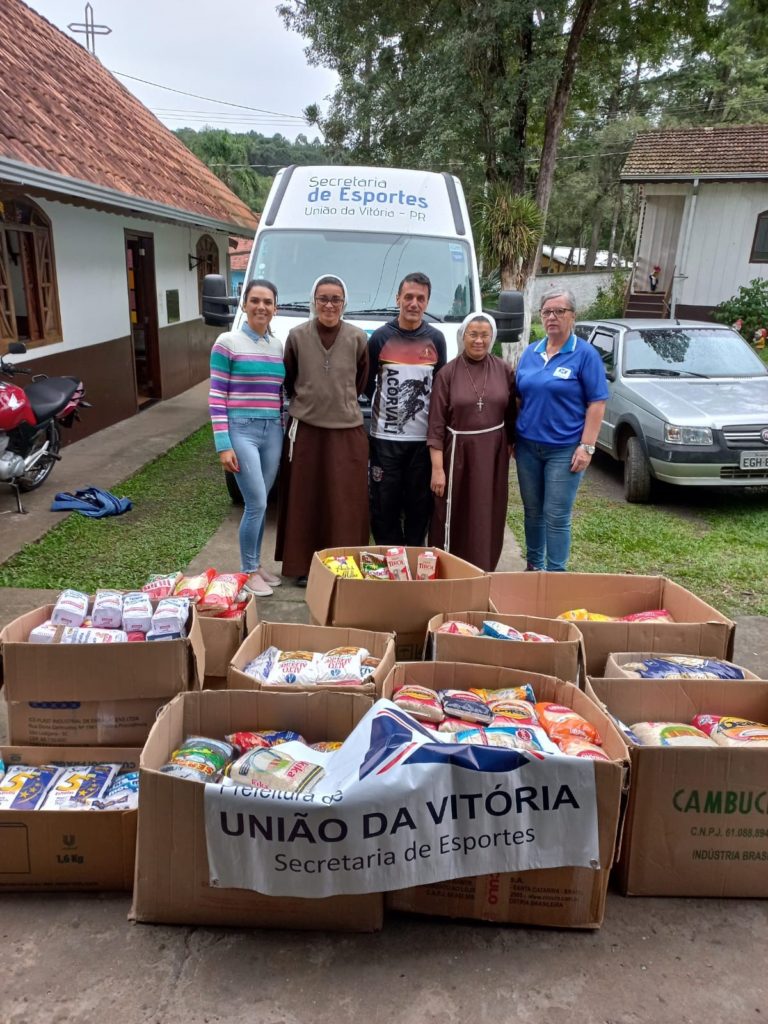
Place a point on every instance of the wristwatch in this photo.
(588, 448)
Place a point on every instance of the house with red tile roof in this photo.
(703, 229)
(108, 225)
(239, 254)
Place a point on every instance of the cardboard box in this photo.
(405, 607)
(614, 666)
(67, 850)
(290, 637)
(82, 723)
(223, 637)
(564, 897)
(171, 884)
(562, 659)
(696, 821)
(697, 628)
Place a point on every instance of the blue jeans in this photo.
(257, 445)
(548, 489)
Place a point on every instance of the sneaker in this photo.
(257, 586)
(269, 578)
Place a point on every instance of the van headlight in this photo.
(687, 435)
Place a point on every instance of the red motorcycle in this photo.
(29, 423)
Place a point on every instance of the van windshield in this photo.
(371, 265)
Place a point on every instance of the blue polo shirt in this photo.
(554, 394)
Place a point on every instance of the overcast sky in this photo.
(239, 52)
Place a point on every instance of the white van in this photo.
(371, 226)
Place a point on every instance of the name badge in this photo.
(564, 372)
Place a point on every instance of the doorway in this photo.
(142, 304)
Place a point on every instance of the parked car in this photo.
(688, 404)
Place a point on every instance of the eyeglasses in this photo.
(555, 312)
(328, 300)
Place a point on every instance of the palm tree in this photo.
(510, 228)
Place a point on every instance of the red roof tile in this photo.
(62, 111)
(240, 253)
(724, 151)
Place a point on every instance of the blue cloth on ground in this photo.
(92, 502)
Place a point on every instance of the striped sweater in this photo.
(246, 380)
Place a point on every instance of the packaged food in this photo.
(670, 734)
(344, 566)
(530, 738)
(682, 666)
(521, 712)
(326, 746)
(728, 731)
(397, 563)
(657, 615)
(221, 593)
(262, 664)
(70, 609)
(420, 702)
(274, 769)
(107, 610)
(374, 566)
(492, 697)
(170, 616)
(563, 723)
(45, 633)
(194, 587)
(537, 638)
(368, 666)
(341, 665)
(71, 635)
(137, 612)
(24, 787)
(161, 585)
(154, 635)
(452, 725)
(498, 631)
(78, 786)
(576, 747)
(200, 759)
(466, 705)
(136, 636)
(582, 615)
(122, 795)
(624, 729)
(298, 667)
(426, 566)
(263, 738)
(458, 628)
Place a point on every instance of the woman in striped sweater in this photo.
(245, 402)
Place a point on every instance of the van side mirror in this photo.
(16, 348)
(509, 316)
(216, 302)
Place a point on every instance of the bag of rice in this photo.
(682, 666)
(274, 769)
(576, 747)
(492, 697)
(107, 610)
(520, 712)
(670, 734)
(452, 725)
(728, 731)
(294, 667)
(562, 723)
(466, 705)
(70, 609)
(420, 702)
(341, 665)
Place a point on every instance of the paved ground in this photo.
(72, 958)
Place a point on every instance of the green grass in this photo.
(179, 501)
(720, 552)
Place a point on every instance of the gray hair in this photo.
(553, 293)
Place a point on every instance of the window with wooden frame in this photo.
(759, 252)
(29, 301)
(207, 253)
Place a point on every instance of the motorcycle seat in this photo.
(49, 396)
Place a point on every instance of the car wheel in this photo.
(637, 473)
(233, 488)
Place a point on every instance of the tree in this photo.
(510, 227)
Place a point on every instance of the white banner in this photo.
(398, 807)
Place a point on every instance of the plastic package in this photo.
(682, 666)
(107, 610)
(70, 609)
(458, 628)
(326, 746)
(374, 566)
(420, 702)
(24, 787)
(576, 747)
(291, 667)
(530, 738)
(492, 697)
(465, 705)
(171, 615)
(728, 731)
(260, 667)
(670, 734)
(498, 631)
(45, 633)
(656, 615)
(200, 759)
(582, 615)
(368, 666)
(562, 723)
(161, 585)
(194, 587)
(78, 786)
(137, 612)
(520, 712)
(264, 738)
(341, 665)
(344, 566)
(221, 593)
(122, 795)
(274, 769)
(86, 635)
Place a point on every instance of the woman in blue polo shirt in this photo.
(562, 392)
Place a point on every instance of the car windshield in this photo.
(370, 264)
(689, 351)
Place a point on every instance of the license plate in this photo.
(753, 460)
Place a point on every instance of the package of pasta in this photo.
(492, 697)
(274, 769)
(344, 566)
(161, 585)
(78, 786)
(420, 702)
(562, 723)
(260, 667)
(521, 712)
(107, 610)
(498, 631)
(368, 666)
(221, 593)
(122, 795)
(341, 665)
(294, 668)
(582, 615)
(465, 705)
(656, 615)
(682, 666)
(264, 738)
(728, 731)
(458, 628)
(194, 587)
(70, 609)
(374, 566)
(24, 787)
(199, 759)
(576, 747)
(670, 734)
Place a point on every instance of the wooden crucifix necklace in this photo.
(479, 395)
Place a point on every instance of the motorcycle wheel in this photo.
(42, 469)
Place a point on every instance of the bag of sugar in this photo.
(137, 612)
(70, 609)
(171, 616)
(107, 609)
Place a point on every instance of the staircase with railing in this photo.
(648, 305)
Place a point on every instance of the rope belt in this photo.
(292, 437)
(449, 486)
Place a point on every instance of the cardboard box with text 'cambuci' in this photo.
(697, 628)
(402, 606)
(172, 876)
(563, 658)
(92, 694)
(67, 850)
(288, 636)
(221, 640)
(616, 662)
(564, 897)
(697, 817)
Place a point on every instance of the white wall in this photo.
(89, 252)
(583, 286)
